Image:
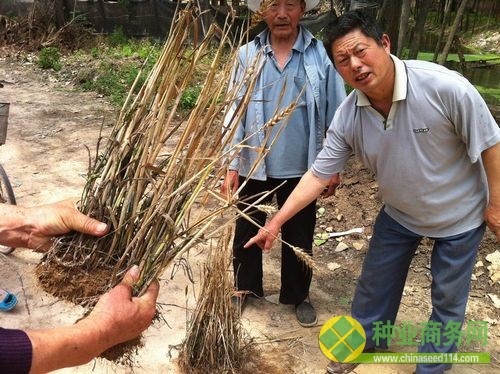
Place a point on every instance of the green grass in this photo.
(50, 58)
(491, 95)
(111, 68)
(427, 56)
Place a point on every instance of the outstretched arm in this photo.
(306, 191)
(117, 317)
(491, 162)
(34, 227)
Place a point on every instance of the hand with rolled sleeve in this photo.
(116, 318)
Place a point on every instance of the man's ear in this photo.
(386, 43)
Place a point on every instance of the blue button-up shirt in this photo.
(297, 146)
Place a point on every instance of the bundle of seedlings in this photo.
(214, 340)
(153, 182)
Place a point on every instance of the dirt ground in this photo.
(49, 126)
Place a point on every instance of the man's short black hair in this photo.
(350, 21)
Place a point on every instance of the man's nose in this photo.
(281, 11)
(355, 63)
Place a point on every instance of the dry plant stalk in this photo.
(145, 197)
(258, 16)
(214, 340)
(158, 206)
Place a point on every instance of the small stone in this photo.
(332, 266)
(479, 264)
(340, 217)
(473, 277)
(329, 229)
(275, 316)
(358, 245)
(496, 301)
(341, 247)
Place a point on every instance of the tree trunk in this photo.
(390, 22)
(59, 13)
(403, 25)
(102, 12)
(419, 29)
(454, 28)
(460, 52)
(382, 10)
(447, 12)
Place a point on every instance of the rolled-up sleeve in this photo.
(15, 351)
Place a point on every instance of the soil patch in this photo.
(73, 284)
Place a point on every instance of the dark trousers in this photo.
(380, 286)
(298, 231)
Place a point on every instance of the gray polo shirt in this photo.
(426, 155)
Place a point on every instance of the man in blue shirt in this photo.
(294, 67)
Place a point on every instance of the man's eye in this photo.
(341, 60)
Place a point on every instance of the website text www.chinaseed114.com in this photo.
(423, 358)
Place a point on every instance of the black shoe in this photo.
(306, 315)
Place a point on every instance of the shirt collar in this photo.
(304, 39)
(400, 84)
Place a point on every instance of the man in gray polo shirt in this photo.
(434, 148)
(294, 67)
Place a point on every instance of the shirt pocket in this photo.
(300, 89)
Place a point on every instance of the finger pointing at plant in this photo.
(306, 191)
(265, 237)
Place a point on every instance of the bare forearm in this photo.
(307, 190)
(491, 162)
(14, 226)
(65, 347)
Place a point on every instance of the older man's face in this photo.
(283, 16)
